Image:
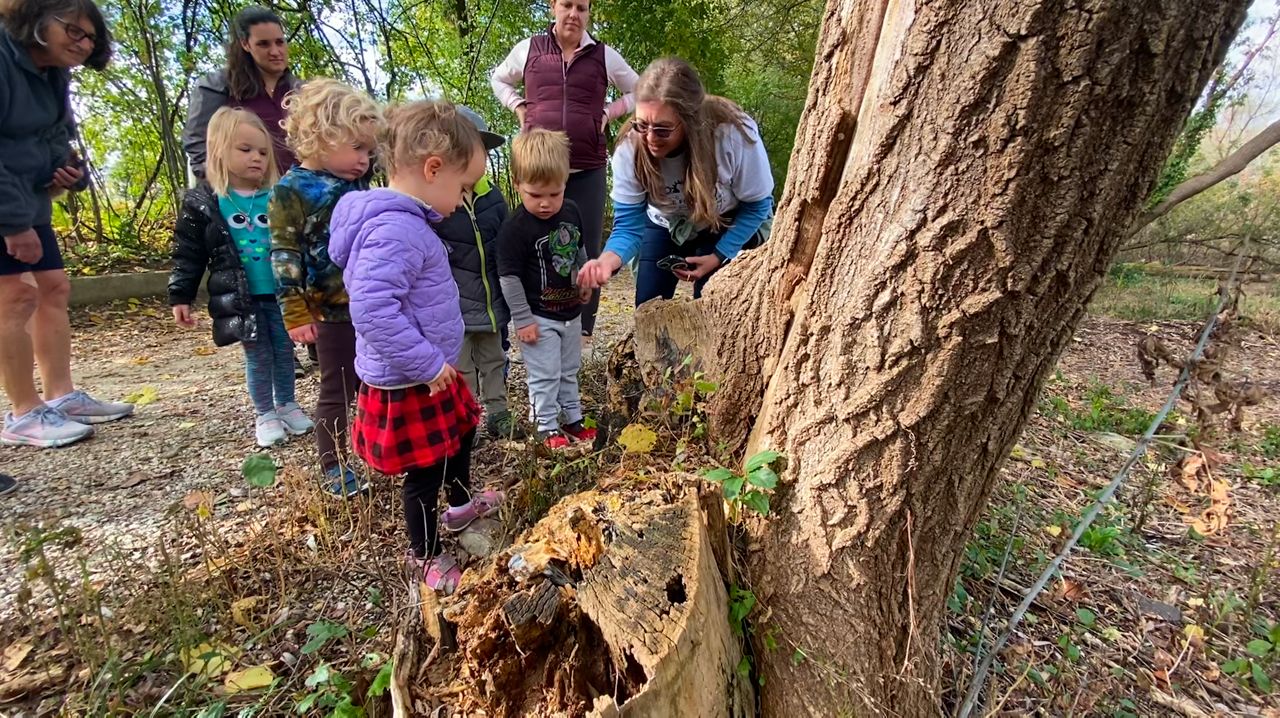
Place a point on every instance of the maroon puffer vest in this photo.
(568, 98)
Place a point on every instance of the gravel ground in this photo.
(192, 429)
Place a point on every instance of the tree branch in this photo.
(1230, 165)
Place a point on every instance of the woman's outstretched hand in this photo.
(700, 267)
(597, 272)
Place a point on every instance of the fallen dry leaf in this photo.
(196, 499)
(133, 479)
(1069, 591)
(208, 660)
(204, 351)
(249, 679)
(242, 611)
(15, 654)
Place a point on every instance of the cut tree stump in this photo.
(612, 605)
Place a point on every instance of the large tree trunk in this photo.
(964, 172)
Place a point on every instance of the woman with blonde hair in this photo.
(692, 185)
(223, 228)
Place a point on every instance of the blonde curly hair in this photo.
(540, 157)
(326, 113)
(415, 131)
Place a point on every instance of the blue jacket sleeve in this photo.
(628, 224)
(749, 218)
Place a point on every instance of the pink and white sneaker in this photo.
(440, 573)
(486, 503)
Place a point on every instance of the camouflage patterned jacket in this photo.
(308, 284)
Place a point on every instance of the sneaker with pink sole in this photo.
(481, 505)
(440, 573)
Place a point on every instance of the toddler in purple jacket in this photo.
(413, 414)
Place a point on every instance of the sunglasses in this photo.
(75, 32)
(660, 132)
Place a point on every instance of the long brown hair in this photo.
(674, 82)
(244, 81)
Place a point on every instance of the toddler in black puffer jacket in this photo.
(223, 228)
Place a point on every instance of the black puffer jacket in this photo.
(471, 235)
(201, 240)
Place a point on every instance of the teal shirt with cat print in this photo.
(246, 216)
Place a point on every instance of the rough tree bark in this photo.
(964, 172)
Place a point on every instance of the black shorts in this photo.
(51, 259)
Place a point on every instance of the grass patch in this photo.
(1103, 410)
(1128, 293)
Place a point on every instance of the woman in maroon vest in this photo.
(256, 78)
(566, 74)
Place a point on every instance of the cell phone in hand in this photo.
(674, 263)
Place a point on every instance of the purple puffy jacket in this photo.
(404, 303)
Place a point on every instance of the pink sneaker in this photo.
(442, 574)
(481, 505)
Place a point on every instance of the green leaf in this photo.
(757, 501)
(217, 710)
(1258, 647)
(374, 596)
(370, 660)
(718, 475)
(345, 709)
(1274, 634)
(797, 658)
(740, 604)
(733, 487)
(382, 681)
(705, 387)
(1261, 679)
(1086, 617)
(770, 642)
(764, 477)
(319, 676)
(744, 668)
(320, 633)
(764, 458)
(259, 470)
(1233, 667)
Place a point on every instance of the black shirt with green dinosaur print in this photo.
(544, 254)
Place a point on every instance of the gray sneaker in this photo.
(295, 420)
(270, 430)
(82, 408)
(43, 427)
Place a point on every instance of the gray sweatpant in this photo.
(481, 363)
(553, 364)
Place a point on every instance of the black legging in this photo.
(587, 190)
(422, 497)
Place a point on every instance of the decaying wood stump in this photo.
(611, 605)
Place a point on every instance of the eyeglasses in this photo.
(660, 132)
(75, 32)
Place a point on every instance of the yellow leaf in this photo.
(187, 425)
(1038, 464)
(242, 610)
(142, 397)
(1194, 633)
(249, 679)
(208, 660)
(1195, 602)
(1018, 453)
(1053, 530)
(1111, 633)
(204, 351)
(140, 360)
(637, 439)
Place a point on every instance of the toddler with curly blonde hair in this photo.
(332, 128)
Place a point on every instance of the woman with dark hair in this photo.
(256, 78)
(692, 185)
(566, 74)
(40, 41)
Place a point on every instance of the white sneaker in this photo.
(80, 407)
(295, 420)
(43, 427)
(270, 430)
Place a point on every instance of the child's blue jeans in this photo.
(268, 362)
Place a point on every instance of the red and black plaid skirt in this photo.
(400, 429)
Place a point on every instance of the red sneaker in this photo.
(554, 440)
(579, 432)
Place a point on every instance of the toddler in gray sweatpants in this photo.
(540, 250)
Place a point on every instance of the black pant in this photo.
(336, 349)
(587, 190)
(422, 496)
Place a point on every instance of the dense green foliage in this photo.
(131, 116)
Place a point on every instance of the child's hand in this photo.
(528, 333)
(305, 334)
(584, 294)
(182, 315)
(442, 381)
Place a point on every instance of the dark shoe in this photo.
(311, 354)
(503, 425)
(579, 432)
(8, 484)
(299, 371)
